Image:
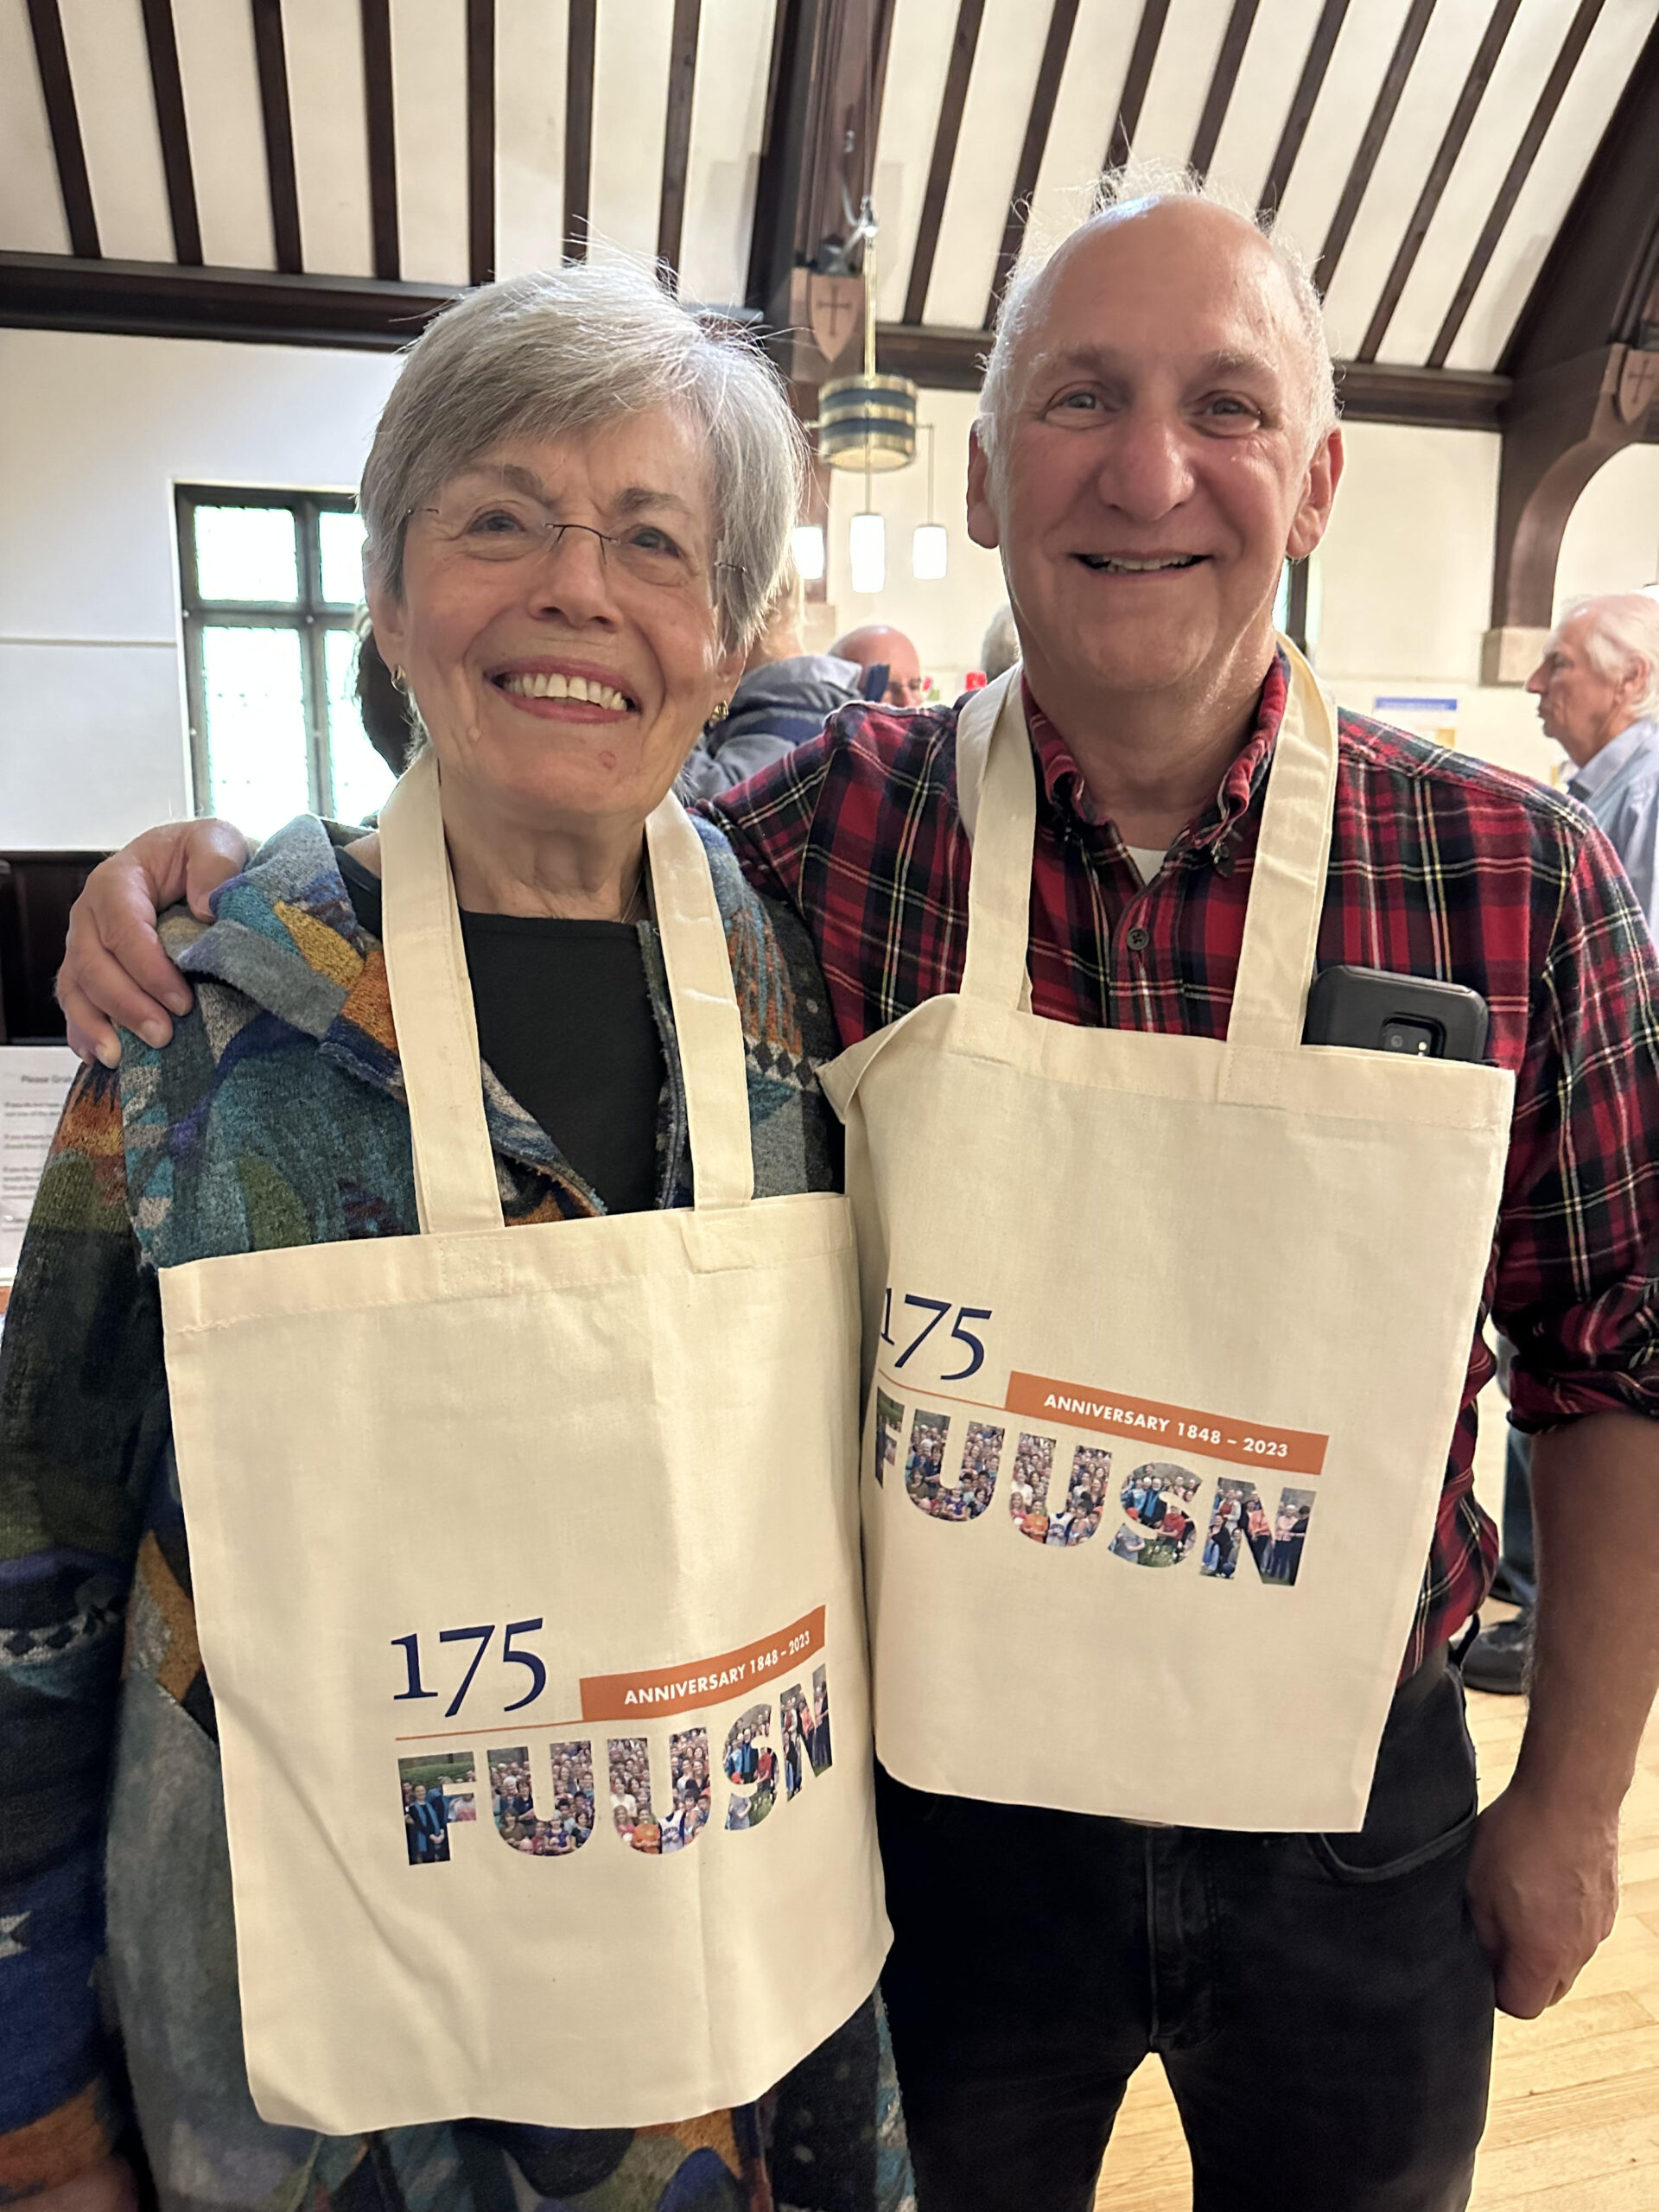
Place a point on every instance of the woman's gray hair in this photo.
(1620, 626)
(561, 352)
(1137, 184)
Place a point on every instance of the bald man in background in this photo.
(875, 646)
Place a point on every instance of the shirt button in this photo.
(1137, 940)
(1224, 860)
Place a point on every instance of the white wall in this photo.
(1404, 587)
(95, 432)
(1611, 542)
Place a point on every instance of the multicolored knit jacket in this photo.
(276, 1117)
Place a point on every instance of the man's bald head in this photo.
(874, 644)
(1206, 238)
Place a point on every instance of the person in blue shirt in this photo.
(1598, 693)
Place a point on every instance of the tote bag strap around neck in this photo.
(997, 799)
(437, 1035)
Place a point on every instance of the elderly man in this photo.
(1157, 435)
(1598, 693)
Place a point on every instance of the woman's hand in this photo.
(114, 966)
(106, 2187)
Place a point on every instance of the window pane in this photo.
(361, 777)
(247, 553)
(341, 544)
(255, 701)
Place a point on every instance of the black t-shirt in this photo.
(564, 1020)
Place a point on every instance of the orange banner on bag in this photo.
(705, 1681)
(1213, 1436)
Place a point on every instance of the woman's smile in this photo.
(563, 691)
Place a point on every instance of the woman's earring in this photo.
(400, 682)
(721, 709)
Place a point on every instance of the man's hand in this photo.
(107, 2186)
(1543, 1888)
(1543, 1880)
(114, 965)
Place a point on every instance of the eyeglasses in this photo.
(510, 531)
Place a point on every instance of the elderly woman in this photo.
(284, 1406)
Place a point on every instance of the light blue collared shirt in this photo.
(1620, 787)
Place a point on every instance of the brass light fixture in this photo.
(868, 422)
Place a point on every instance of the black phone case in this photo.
(1350, 1006)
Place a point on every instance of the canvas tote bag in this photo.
(564, 1514)
(1164, 1340)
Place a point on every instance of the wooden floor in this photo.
(1575, 2123)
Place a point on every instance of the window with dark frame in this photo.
(271, 583)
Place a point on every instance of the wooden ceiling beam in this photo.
(964, 44)
(480, 141)
(1309, 86)
(1370, 145)
(582, 47)
(1428, 199)
(791, 91)
(167, 90)
(57, 291)
(676, 134)
(1600, 269)
(1583, 366)
(74, 187)
(1061, 22)
(380, 118)
(270, 56)
(1526, 153)
(1130, 101)
(1228, 61)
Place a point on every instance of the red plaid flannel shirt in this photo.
(1440, 867)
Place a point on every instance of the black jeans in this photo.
(1320, 2004)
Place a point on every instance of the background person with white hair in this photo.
(1598, 693)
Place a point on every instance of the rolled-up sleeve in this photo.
(1578, 1247)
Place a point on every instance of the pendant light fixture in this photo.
(929, 546)
(868, 422)
(868, 547)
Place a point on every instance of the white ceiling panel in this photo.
(728, 115)
(1431, 93)
(1280, 37)
(1080, 135)
(918, 57)
(1181, 79)
(1364, 47)
(1010, 52)
(1529, 55)
(227, 133)
(1556, 175)
(428, 88)
(331, 135)
(630, 117)
(531, 51)
(109, 65)
(31, 206)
